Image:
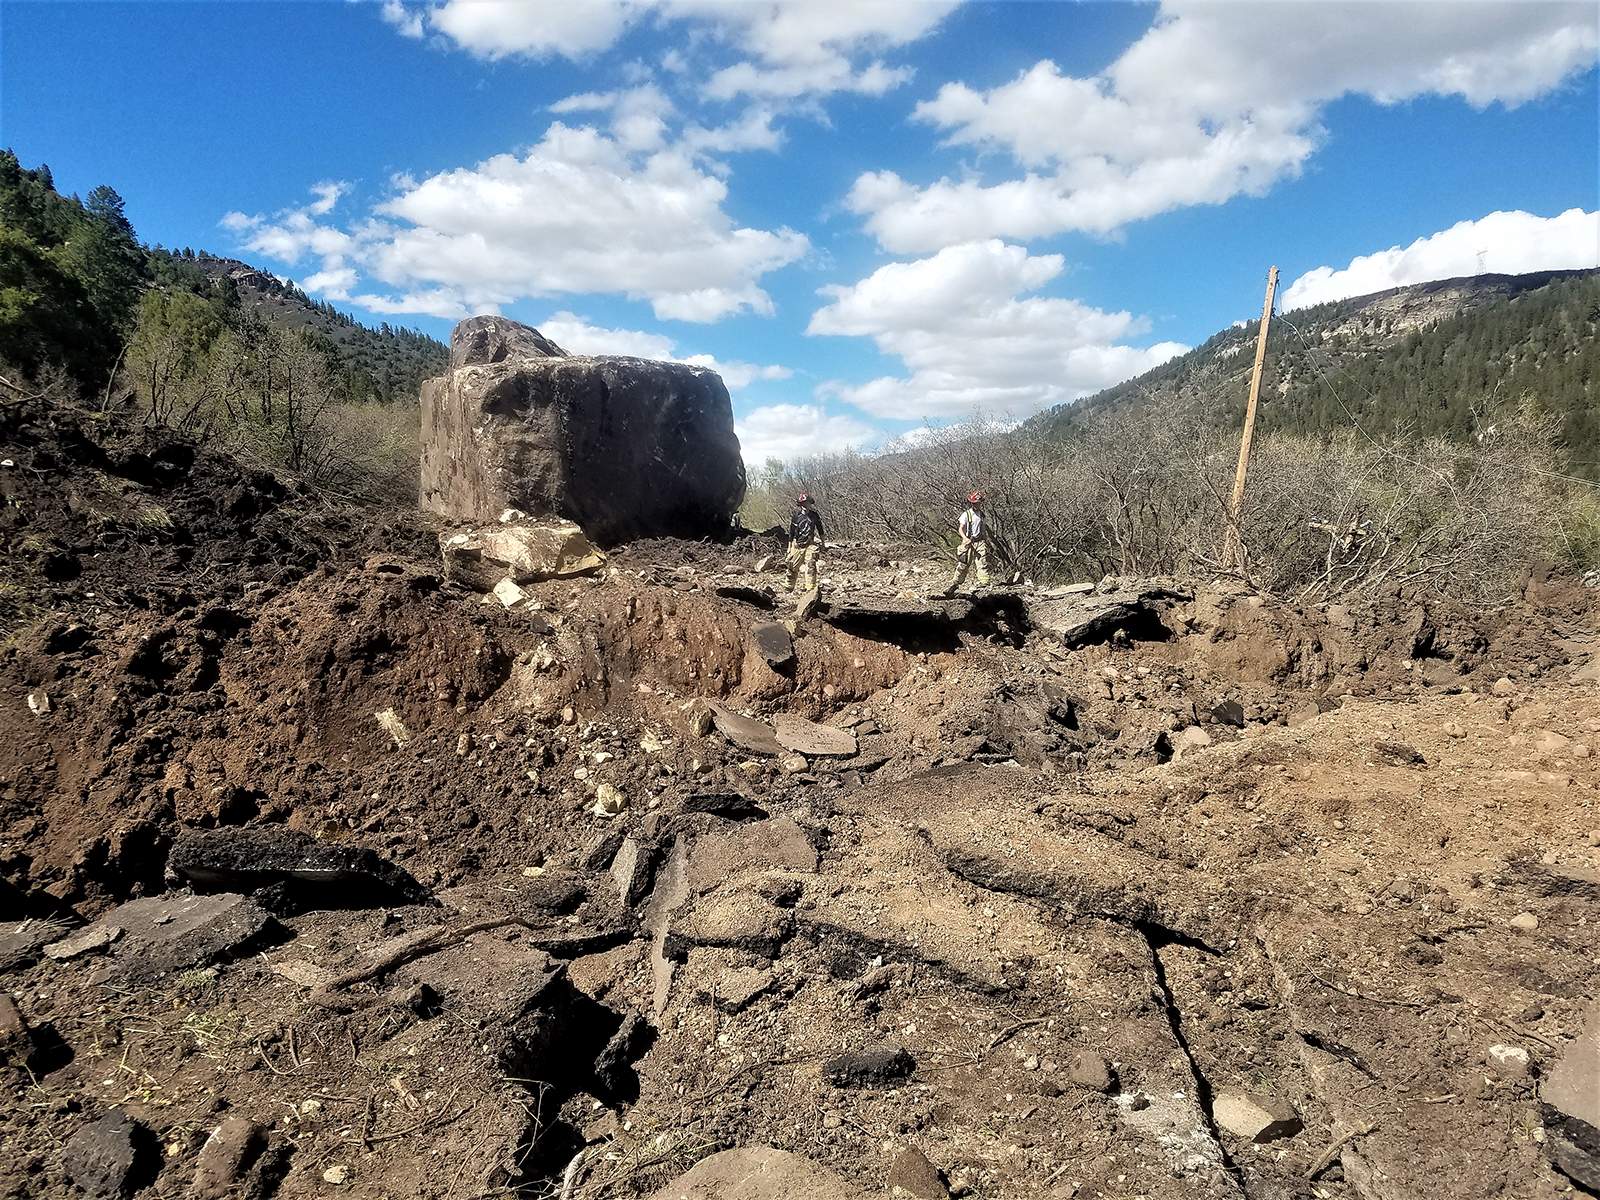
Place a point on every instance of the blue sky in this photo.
(868, 215)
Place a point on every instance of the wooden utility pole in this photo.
(1235, 545)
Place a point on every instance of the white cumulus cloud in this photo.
(535, 29)
(786, 432)
(1502, 243)
(573, 333)
(581, 212)
(1213, 101)
(972, 338)
(788, 48)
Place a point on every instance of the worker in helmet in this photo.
(805, 543)
(974, 528)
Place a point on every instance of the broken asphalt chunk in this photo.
(772, 642)
(632, 870)
(613, 1068)
(878, 1067)
(1571, 1098)
(808, 737)
(305, 872)
(730, 806)
(111, 1157)
(89, 940)
(160, 935)
(756, 737)
(731, 920)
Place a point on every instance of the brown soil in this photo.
(1014, 871)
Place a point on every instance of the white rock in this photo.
(393, 726)
(1511, 1061)
(1188, 740)
(1255, 1117)
(608, 802)
(509, 593)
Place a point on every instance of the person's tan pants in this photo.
(802, 563)
(978, 552)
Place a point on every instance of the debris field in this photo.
(328, 867)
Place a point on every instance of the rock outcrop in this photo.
(626, 447)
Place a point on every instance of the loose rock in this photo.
(1511, 1062)
(1090, 1071)
(111, 1156)
(226, 1157)
(758, 1173)
(16, 1044)
(1255, 1117)
(912, 1175)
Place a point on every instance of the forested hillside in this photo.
(386, 364)
(209, 346)
(76, 285)
(1422, 358)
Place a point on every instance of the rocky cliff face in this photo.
(626, 447)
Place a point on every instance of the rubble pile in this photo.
(352, 878)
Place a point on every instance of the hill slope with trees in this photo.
(75, 283)
(207, 345)
(1426, 359)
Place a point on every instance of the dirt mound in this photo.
(1156, 888)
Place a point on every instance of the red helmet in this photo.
(975, 498)
(803, 498)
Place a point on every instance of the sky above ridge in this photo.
(868, 216)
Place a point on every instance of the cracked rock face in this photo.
(626, 447)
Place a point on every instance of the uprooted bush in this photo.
(1146, 493)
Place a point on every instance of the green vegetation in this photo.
(1427, 360)
(71, 273)
(385, 365)
(207, 345)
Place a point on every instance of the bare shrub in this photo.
(269, 394)
(1146, 493)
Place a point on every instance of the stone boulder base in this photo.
(521, 551)
(626, 447)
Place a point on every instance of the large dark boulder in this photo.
(626, 447)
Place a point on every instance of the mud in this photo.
(1099, 859)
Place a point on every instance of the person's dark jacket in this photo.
(805, 526)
